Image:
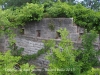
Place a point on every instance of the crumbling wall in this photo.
(33, 33)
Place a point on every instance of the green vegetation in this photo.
(93, 71)
(93, 4)
(88, 55)
(83, 17)
(66, 61)
(63, 57)
(25, 58)
(51, 26)
(9, 65)
(15, 51)
(11, 18)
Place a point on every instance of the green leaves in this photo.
(64, 10)
(88, 55)
(83, 16)
(11, 19)
(9, 65)
(62, 57)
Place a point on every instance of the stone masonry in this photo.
(33, 33)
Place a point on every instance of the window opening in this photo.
(58, 35)
(38, 33)
(22, 31)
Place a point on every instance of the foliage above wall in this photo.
(15, 17)
(82, 16)
(12, 18)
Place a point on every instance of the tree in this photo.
(68, 1)
(62, 57)
(93, 4)
(9, 65)
(15, 3)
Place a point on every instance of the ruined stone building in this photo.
(34, 32)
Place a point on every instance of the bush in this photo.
(66, 61)
(9, 65)
(59, 9)
(62, 57)
(83, 16)
(93, 71)
(88, 55)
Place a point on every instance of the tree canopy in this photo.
(93, 4)
(85, 17)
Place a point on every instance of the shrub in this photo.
(9, 65)
(62, 57)
(88, 55)
(93, 71)
(59, 9)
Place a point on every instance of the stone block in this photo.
(1, 48)
(80, 30)
(2, 40)
(31, 48)
(42, 44)
(68, 21)
(97, 41)
(39, 27)
(72, 29)
(96, 47)
(74, 37)
(30, 44)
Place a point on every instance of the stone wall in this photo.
(2, 43)
(33, 33)
(30, 46)
(43, 27)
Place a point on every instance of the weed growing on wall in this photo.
(15, 51)
(51, 26)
